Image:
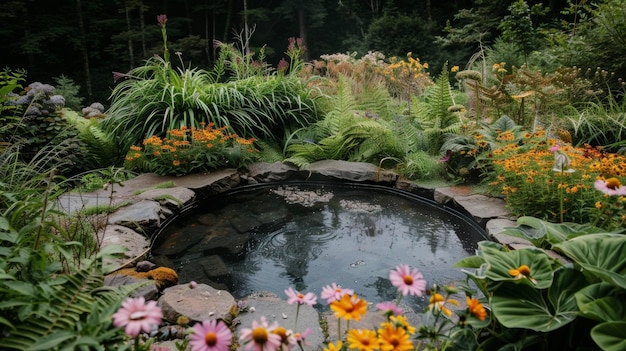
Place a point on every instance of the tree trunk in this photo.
(246, 33)
(131, 54)
(303, 30)
(84, 50)
(142, 23)
(229, 17)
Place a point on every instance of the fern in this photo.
(433, 112)
(68, 311)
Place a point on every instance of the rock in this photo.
(497, 225)
(145, 266)
(198, 304)
(172, 198)
(163, 277)
(277, 310)
(223, 240)
(175, 240)
(136, 245)
(481, 207)
(351, 171)
(144, 216)
(263, 172)
(209, 270)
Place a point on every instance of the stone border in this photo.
(147, 206)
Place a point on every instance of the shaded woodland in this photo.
(87, 40)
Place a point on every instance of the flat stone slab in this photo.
(136, 244)
(140, 215)
(480, 206)
(198, 304)
(172, 198)
(352, 171)
(278, 310)
(264, 172)
(497, 225)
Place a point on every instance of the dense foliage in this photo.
(105, 36)
(536, 115)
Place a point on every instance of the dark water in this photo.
(353, 237)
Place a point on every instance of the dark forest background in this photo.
(86, 40)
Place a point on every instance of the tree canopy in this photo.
(87, 40)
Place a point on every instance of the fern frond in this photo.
(69, 311)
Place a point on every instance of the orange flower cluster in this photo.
(187, 149)
(407, 75)
(525, 173)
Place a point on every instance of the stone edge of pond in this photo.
(141, 205)
(147, 201)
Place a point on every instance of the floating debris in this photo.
(357, 263)
(306, 198)
(359, 206)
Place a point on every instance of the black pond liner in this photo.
(225, 281)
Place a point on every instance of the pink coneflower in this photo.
(334, 292)
(287, 339)
(408, 282)
(211, 335)
(137, 315)
(301, 337)
(611, 187)
(300, 298)
(389, 308)
(260, 336)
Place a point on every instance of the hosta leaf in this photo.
(610, 336)
(470, 262)
(522, 306)
(536, 259)
(601, 255)
(602, 302)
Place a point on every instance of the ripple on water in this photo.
(307, 238)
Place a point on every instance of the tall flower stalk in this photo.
(162, 20)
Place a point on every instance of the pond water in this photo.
(308, 236)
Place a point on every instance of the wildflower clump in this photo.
(554, 181)
(187, 150)
(406, 78)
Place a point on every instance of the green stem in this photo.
(561, 214)
(338, 329)
(295, 324)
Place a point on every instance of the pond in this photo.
(306, 236)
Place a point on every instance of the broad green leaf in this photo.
(610, 336)
(529, 228)
(490, 245)
(562, 293)
(599, 254)
(463, 339)
(521, 306)
(470, 262)
(602, 302)
(606, 309)
(536, 259)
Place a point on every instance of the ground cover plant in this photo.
(546, 139)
